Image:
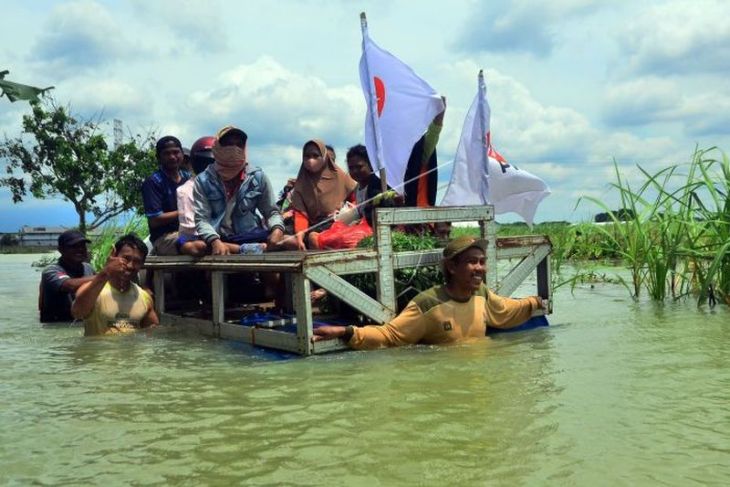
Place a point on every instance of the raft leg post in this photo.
(218, 288)
(385, 278)
(488, 231)
(544, 284)
(158, 284)
(301, 288)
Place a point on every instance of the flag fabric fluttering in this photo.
(482, 176)
(400, 107)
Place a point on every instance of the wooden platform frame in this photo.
(326, 268)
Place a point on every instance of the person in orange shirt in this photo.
(320, 190)
(461, 309)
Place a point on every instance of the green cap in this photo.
(460, 244)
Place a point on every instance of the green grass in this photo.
(101, 246)
(678, 243)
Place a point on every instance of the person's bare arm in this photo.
(86, 296)
(150, 319)
(163, 219)
(72, 284)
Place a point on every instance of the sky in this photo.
(573, 84)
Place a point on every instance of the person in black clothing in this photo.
(60, 281)
(368, 184)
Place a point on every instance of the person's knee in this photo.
(196, 248)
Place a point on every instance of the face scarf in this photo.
(319, 194)
(229, 160)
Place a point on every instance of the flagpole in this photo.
(482, 120)
(373, 105)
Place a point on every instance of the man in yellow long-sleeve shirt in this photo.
(460, 309)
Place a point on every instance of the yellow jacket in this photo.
(435, 317)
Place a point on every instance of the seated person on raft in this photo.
(188, 241)
(461, 309)
(230, 199)
(320, 190)
(60, 281)
(159, 195)
(369, 191)
(111, 302)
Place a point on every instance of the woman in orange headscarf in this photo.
(320, 191)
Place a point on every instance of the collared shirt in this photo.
(55, 303)
(159, 194)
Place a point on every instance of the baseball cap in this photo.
(230, 129)
(460, 244)
(71, 237)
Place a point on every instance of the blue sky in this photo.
(572, 84)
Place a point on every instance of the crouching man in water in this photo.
(112, 302)
(463, 308)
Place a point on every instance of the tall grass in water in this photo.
(101, 245)
(677, 239)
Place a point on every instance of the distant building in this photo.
(39, 236)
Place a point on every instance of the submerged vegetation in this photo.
(678, 242)
(101, 246)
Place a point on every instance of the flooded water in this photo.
(613, 393)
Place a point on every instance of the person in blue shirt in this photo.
(159, 193)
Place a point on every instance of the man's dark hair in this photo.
(359, 151)
(132, 240)
(163, 142)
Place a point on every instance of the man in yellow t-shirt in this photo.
(111, 302)
(463, 308)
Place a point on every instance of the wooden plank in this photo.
(204, 327)
(348, 293)
(405, 216)
(303, 308)
(384, 282)
(489, 232)
(328, 346)
(261, 337)
(158, 283)
(217, 288)
(269, 262)
(524, 268)
(544, 282)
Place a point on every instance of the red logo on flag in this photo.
(492, 152)
(379, 93)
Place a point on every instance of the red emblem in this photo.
(379, 93)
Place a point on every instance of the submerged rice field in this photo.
(615, 391)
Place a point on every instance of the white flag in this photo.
(482, 176)
(400, 108)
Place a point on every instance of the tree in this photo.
(9, 240)
(68, 157)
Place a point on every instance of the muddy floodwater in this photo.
(612, 393)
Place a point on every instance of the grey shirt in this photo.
(55, 303)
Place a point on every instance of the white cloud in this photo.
(111, 96)
(278, 106)
(80, 35)
(194, 23)
(521, 25)
(650, 100)
(681, 36)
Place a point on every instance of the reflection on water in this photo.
(613, 392)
